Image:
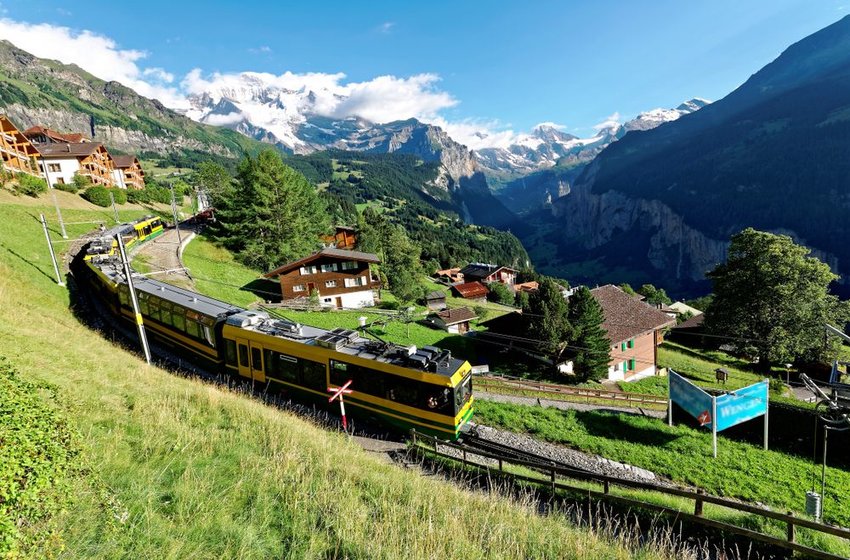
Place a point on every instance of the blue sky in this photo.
(501, 64)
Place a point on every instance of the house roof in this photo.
(681, 307)
(471, 290)
(68, 149)
(73, 137)
(436, 294)
(455, 316)
(447, 272)
(122, 162)
(627, 317)
(693, 323)
(482, 270)
(331, 252)
(527, 286)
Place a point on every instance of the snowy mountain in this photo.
(547, 146)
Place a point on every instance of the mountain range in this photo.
(774, 154)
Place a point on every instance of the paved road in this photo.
(162, 254)
(564, 405)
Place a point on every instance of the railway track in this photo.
(473, 442)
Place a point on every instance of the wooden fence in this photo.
(553, 472)
(529, 388)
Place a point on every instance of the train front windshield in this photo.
(463, 392)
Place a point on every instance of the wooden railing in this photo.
(530, 388)
(552, 473)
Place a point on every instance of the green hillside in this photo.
(152, 465)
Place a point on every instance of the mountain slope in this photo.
(65, 97)
(543, 165)
(774, 154)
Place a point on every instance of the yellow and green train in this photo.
(132, 233)
(404, 387)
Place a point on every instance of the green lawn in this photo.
(169, 467)
(218, 274)
(680, 453)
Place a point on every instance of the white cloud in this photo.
(265, 49)
(97, 54)
(224, 120)
(610, 121)
(478, 134)
(549, 124)
(388, 98)
(386, 27)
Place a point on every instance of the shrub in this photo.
(81, 181)
(500, 293)
(29, 185)
(97, 195)
(66, 187)
(120, 196)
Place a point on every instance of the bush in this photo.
(97, 195)
(29, 185)
(81, 181)
(120, 196)
(66, 187)
(500, 293)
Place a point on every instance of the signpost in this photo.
(338, 392)
(722, 411)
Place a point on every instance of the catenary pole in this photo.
(52, 254)
(143, 338)
(766, 412)
(714, 425)
(55, 202)
(176, 223)
(114, 209)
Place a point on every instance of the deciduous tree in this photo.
(772, 297)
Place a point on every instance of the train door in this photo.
(250, 360)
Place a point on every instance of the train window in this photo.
(153, 308)
(165, 312)
(341, 372)
(403, 391)
(208, 335)
(143, 306)
(256, 359)
(369, 381)
(313, 375)
(178, 319)
(193, 328)
(243, 355)
(123, 296)
(230, 352)
(462, 393)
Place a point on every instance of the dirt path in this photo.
(564, 405)
(163, 254)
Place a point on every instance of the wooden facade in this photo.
(90, 159)
(128, 172)
(341, 278)
(344, 237)
(16, 151)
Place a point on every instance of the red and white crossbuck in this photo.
(338, 392)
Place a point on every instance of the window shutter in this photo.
(631, 364)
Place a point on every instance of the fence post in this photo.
(500, 464)
(553, 479)
(605, 486)
(464, 457)
(790, 527)
(698, 504)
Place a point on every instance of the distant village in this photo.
(58, 158)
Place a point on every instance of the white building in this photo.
(90, 159)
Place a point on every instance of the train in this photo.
(400, 387)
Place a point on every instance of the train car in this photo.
(404, 387)
(131, 233)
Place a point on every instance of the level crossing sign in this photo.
(338, 392)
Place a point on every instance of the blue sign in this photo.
(741, 405)
(691, 398)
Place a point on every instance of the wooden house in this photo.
(436, 300)
(341, 278)
(128, 172)
(90, 159)
(344, 237)
(473, 291)
(42, 135)
(17, 153)
(635, 330)
(487, 273)
(450, 275)
(455, 321)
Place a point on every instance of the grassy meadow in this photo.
(166, 467)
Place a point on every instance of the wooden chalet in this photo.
(341, 278)
(128, 172)
(529, 287)
(344, 237)
(450, 275)
(473, 291)
(436, 300)
(42, 135)
(635, 330)
(90, 159)
(17, 153)
(455, 321)
(486, 273)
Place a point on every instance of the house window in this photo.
(305, 270)
(632, 343)
(622, 346)
(349, 265)
(298, 288)
(54, 167)
(329, 267)
(354, 282)
(631, 364)
(60, 180)
(330, 284)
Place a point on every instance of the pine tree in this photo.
(546, 318)
(273, 215)
(590, 346)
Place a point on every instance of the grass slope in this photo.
(187, 470)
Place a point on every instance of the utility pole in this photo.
(143, 338)
(114, 209)
(55, 202)
(52, 254)
(176, 223)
